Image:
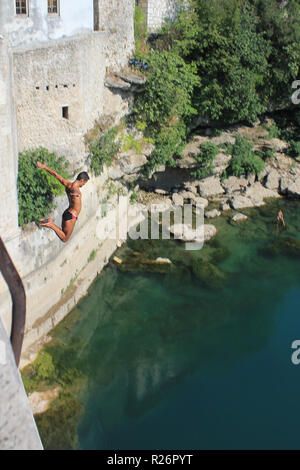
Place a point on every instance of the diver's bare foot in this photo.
(45, 222)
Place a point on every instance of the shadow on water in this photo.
(143, 332)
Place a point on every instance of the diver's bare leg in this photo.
(64, 233)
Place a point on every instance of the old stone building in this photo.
(157, 11)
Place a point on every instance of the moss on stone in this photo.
(58, 425)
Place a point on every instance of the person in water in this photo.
(280, 218)
(71, 214)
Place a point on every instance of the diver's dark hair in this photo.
(83, 176)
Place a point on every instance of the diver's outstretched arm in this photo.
(64, 182)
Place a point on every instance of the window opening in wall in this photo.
(65, 112)
(21, 7)
(53, 6)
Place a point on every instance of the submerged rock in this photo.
(220, 251)
(283, 246)
(140, 264)
(212, 214)
(186, 233)
(239, 217)
(208, 274)
(163, 260)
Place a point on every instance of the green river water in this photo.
(197, 356)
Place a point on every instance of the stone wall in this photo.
(68, 73)
(157, 11)
(116, 20)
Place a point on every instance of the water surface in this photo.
(197, 357)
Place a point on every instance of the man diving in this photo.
(71, 214)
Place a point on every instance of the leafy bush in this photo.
(169, 142)
(294, 149)
(36, 187)
(130, 143)
(274, 132)
(244, 161)
(205, 160)
(168, 91)
(102, 150)
(42, 370)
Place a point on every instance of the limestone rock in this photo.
(191, 186)
(161, 191)
(274, 144)
(240, 202)
(163, 260)
(272, 180)
(159, 205)
(210, 186)
(224, 138)
(251, 178)
(291, 187)
(212, 214)
(253, 197)
(200, 201)
(258, 191)
(188, 195)
(194, 147)
(130, 162)
(186, 233)
(177, 199)
(239, 217)
(234, 183)
(225, 206)
(221, 162)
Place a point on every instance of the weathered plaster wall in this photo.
(74, 17)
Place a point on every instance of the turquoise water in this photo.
(197, 357)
